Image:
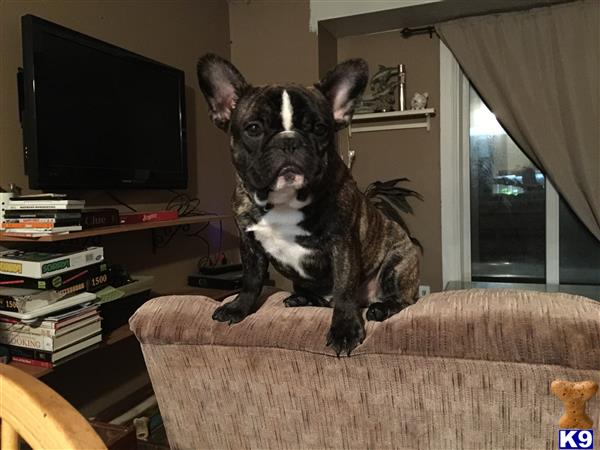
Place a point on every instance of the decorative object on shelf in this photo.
(401, 87)
(419, 101)
(383, 86)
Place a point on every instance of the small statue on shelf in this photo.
(419, 101)
(383, 86)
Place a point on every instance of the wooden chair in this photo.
(36, 413)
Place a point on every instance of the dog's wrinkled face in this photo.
(281, 136)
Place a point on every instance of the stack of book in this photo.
(43, 319)
(42, 215)
(54, 339)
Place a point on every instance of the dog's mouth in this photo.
(289, 177)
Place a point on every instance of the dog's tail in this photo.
(392, 201)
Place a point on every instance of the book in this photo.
(54, 342)
(94, 277)
(43, 265)
(105, 217)
(43, 231)
(40, 223)
(31, 234)
(28, 300)
(49, 327)
(41, 214)
(16, 203)
(42, 196)
(56, 356)
(82, 298)
(32, 362)
(142, 217)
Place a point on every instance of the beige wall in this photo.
(412, 153)
(176, 32)
(270, 41)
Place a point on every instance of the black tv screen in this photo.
(96, 116)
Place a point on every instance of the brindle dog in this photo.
(297, 206)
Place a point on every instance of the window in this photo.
(509, 214)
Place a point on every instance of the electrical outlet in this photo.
(423, 290)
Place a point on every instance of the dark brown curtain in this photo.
(539, 72)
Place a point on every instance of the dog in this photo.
(297, 206)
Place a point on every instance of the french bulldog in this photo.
(297, 206)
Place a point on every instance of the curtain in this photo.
(539, 72)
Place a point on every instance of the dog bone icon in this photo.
(574, 396)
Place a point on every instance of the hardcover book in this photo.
(56, 356)
(94, 277)
(93, 218)
(42, 214)
(49, 327)
(28, 300)
(142, 217)
(51, 343)
(44, 265)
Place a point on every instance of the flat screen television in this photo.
(96, 116)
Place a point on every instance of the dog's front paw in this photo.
(232, 312)
(295, 300)
(345, 334)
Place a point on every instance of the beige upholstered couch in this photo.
(460, 369)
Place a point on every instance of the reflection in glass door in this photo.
(508, 234)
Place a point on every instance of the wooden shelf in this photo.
(103, 231)
(116, 336)
(389, 116)
(393, 114)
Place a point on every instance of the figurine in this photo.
(419, 101)
(383, 85)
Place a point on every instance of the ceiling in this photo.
(424, 14)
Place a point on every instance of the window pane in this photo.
(579, 250)
(508, 204)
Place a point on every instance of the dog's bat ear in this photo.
(222, 85)
(343, 86)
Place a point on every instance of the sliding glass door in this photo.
(509, 216)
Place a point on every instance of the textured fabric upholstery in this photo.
(459, 369)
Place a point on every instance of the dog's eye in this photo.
(320, 129)
(254, 129)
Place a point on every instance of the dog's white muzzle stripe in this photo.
(287, 112)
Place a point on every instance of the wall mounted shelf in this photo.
(102, 231)
(389, 116)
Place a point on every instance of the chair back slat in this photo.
(8, 437)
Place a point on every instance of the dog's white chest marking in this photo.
(277, 231)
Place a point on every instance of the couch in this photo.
(464, 369)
